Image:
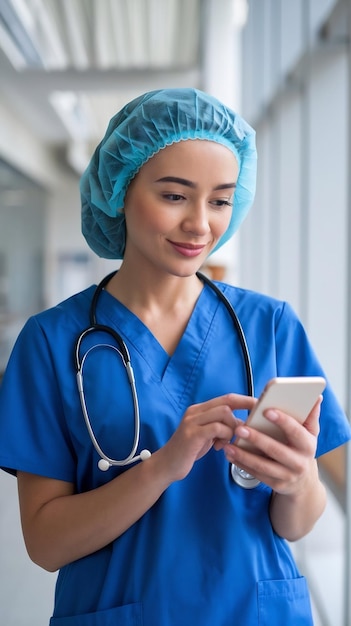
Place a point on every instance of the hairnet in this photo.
(143, 127)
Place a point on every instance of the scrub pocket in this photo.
(284, 602)
(128, 615)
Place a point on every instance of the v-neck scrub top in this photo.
(205, 554)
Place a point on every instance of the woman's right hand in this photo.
(60, 525)
(203, 426)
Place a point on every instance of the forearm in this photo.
(70, 526)
(294, 515)
(60, 526)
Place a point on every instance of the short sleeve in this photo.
(296, 357)
(33, 431)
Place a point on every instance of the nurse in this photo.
(170, 540)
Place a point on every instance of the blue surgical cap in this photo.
(143, 127)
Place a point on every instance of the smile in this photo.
(188, 249)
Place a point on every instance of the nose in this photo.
(196, 220)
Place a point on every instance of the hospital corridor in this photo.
(67, 67)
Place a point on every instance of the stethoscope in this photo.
(241, 477)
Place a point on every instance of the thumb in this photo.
(312, 421)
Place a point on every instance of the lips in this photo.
(188, 249)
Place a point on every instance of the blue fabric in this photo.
(141, 129)
(205, 553)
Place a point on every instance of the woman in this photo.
(165, 536)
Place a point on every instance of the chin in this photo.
(186, 272)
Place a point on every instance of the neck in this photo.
(164, 306)
(164, 293)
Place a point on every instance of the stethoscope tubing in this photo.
(241, 477)
(239, 329)
(131, 458)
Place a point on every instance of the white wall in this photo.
(328, 217)
(294, 245)
(26, 591)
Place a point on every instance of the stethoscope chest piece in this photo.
(242, 478)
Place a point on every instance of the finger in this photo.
(296, 439)
(297, 435)
(221, 414)
(267, 470)
(291, 454)
(232, 400)
(312, 422)
(290, 426)
(218, 423)
(220, 444)
(255, 464)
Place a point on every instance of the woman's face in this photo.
(179, 205)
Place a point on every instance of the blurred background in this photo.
(66, 66)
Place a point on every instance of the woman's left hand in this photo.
(290, 469)
(282, 466)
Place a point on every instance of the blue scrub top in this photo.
(205, 553)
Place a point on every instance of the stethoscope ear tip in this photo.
(145, 454)
(104, 465)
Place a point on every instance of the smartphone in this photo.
(293, 395)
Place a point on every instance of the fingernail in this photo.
(271, 415)
(242, 432)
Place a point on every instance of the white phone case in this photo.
(293, 395)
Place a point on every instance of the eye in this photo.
(173, 197)
(219, 202)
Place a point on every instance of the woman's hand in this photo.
(61, 526)
(205, 425)
(282, 466)
(290, 469)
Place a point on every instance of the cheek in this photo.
(141, 217)
(146, 221)
(222, 221)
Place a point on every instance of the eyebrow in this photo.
(189, 183)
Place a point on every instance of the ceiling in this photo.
(67, 66)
